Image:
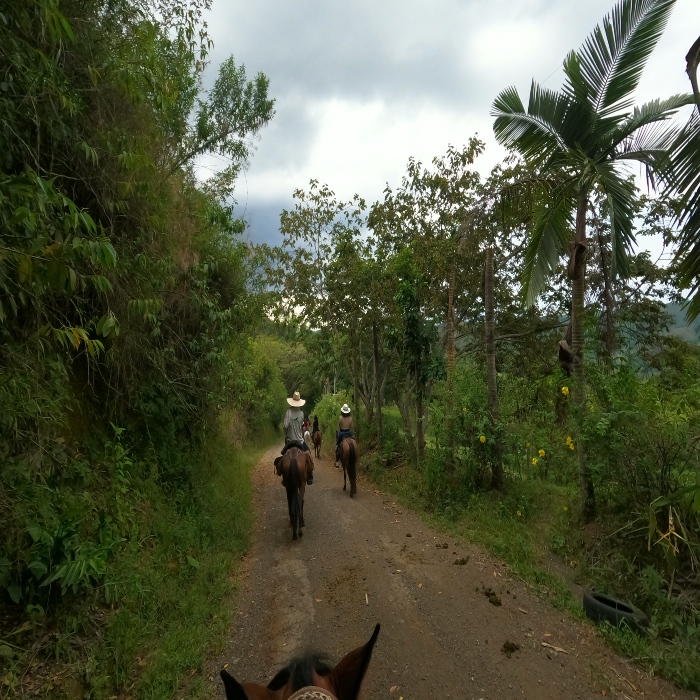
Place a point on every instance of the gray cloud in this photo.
(448, 56)
(263, 220)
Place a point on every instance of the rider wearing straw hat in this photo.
(344, 429)
(293, 436)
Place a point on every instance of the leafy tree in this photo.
(586, 135)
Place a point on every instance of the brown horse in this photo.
(317, 438)
(309, 678)
(348, 458)
(294, 467)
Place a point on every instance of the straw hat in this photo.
(345, 409)
(296, 400)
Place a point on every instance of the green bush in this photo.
(328, 411)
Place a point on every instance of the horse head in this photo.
(309, 677)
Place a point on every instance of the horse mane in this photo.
(301, 671)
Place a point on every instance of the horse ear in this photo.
(233, 688)
(346, 677)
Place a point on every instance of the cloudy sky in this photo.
(361, 85)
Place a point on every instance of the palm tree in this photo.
(586, 135)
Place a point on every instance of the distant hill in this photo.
(679, 326)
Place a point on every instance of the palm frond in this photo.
(533, 133)
(620, 192)
(649, 113)
(683, 175)
(613, 56)
(552, 231)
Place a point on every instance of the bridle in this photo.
(312, 693)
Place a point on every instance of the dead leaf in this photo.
(547, 634)
(225, 665)
(523, 611)
(393, 688)
(551, 646)
(420, 585)
(366, 599)
(318, 600)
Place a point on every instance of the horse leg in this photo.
(344, 478)
(302, 491)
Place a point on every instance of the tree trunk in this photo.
(420, 432)
(355, 392)
(377, 381)
(497, 480)
(577, 274)
(451, 355)
(403, 403)
(609, 302)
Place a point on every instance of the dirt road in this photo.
(367, 560)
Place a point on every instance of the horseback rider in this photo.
(293, 421)
(316, 428)
(344, 430)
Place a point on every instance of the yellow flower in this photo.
(527, 444)
(464, 408)
(482, 439)
(569, 440)
(571, 446)
(519, 513)
(565, 390)
(534, 461)
(541, 453)
(566, 507)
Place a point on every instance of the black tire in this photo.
(603, 608)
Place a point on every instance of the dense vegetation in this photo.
(140, 340)
(128, 305)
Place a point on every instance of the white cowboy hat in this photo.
(296, 400)
(345, 408)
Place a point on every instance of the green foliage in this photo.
(328, 411)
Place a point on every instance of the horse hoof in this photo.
(301, 534)
(345, 488)
(294, 536)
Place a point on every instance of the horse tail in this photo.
(293, 489)
(351, 458)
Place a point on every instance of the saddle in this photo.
(288, 444)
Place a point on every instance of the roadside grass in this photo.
(177, 609)
(166, 603)
(532, 528)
